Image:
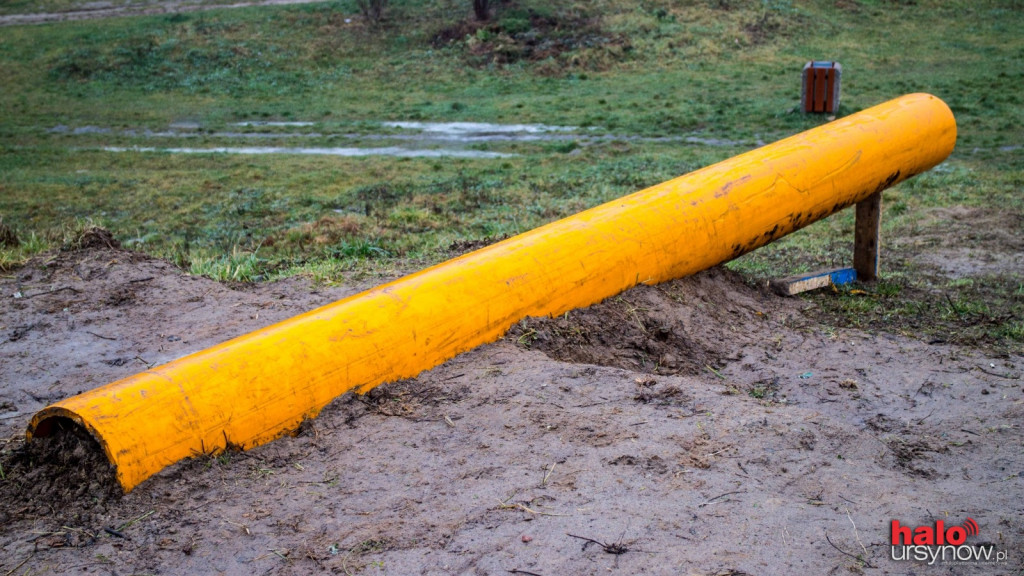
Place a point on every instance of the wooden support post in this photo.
(865, 255)
(865, 244)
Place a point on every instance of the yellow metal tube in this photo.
(249, 390)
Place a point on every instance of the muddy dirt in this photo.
(999, 233)
(698, 427)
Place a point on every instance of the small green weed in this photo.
(239, 266)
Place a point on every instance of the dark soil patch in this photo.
(649, 330)
(529, 36)
(94, 237)
(653, 464)
(456, 32)
(771, 25)
(65, 473)
(650, 392)
(460, 247)
(120, 296)
(8, 239)
(912, 453)
(412, 399)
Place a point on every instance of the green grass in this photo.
(982, 312)
(726, 69)
(40, 6)
(238, 266)
(699, 68)
(12, 257)
(296, 209)
(33, 243)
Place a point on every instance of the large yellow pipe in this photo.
(249, 390)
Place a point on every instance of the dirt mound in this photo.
(686, 326)
(94, 237)
(65, 473)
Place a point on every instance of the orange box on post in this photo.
(820, 92)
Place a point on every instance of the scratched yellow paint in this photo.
(252, 389)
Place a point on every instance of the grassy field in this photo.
(725, 71)
(58, 6)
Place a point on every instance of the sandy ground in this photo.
(698, 427)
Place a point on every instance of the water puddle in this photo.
(470, 129)
(235, 135)
(346, 152)
(62, 129)
(437, 138)
(718, 142)
(1006, 148)
(482, 132)
(273, 123)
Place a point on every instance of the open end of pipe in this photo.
(66, 461)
